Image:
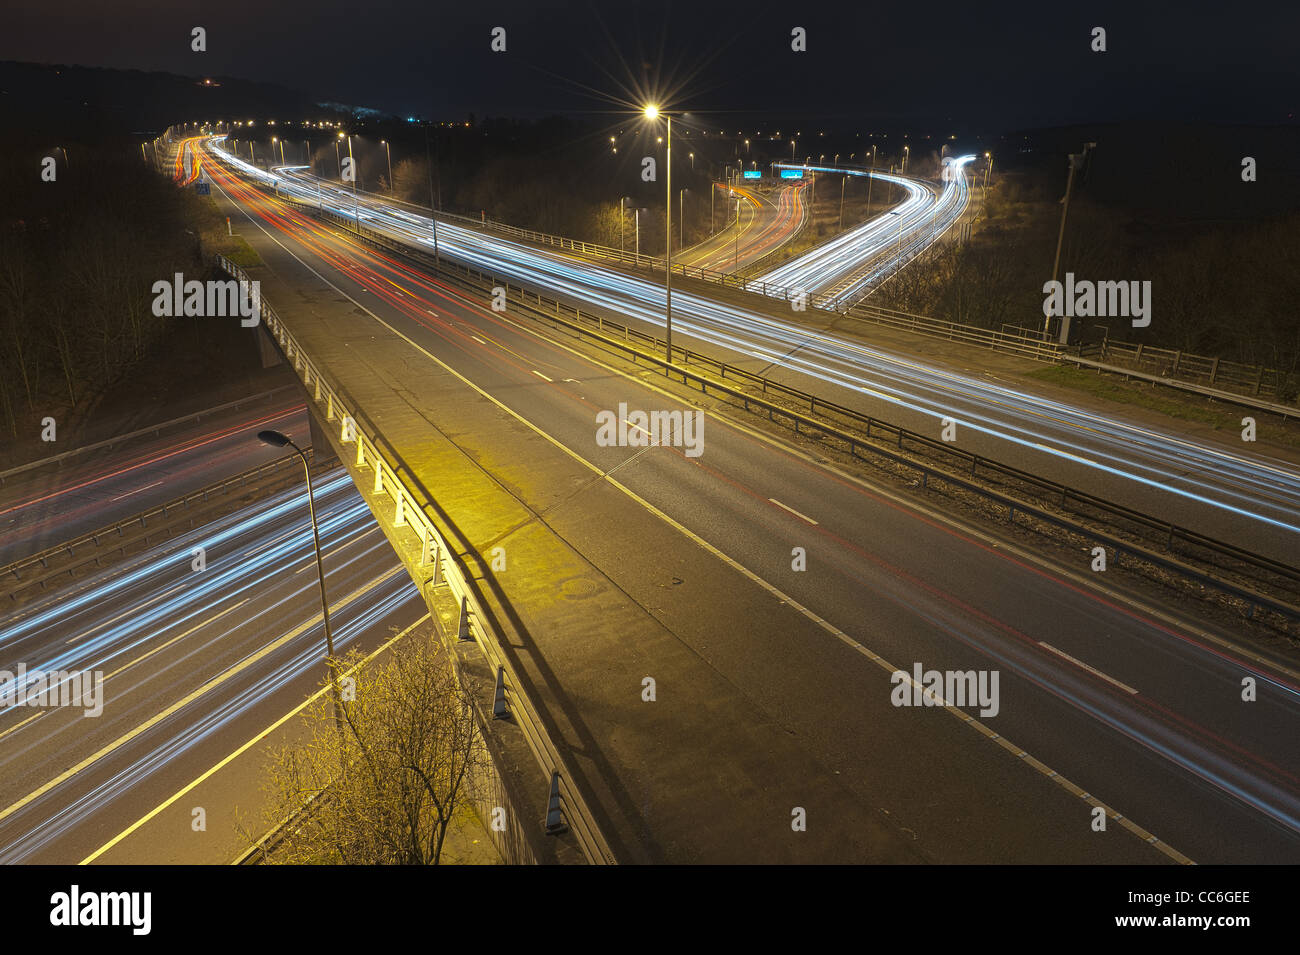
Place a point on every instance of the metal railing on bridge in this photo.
(1211, 553)
(444, 564)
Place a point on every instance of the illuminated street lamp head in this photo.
(651, 111)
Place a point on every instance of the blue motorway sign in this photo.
(791, 173)
(202, 188)
(753, 174)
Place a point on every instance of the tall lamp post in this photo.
(356, 206)
(278, 440)
(621, 216)
(389, 150)
(681, 217)
(653, 112)
(737, 230)
(1076, 161)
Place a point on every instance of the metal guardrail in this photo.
(1027, 344)
(262, 848)
(444, 564)
(1228, 397)
(1166, 362)
(14, 571)
(1173, 363)
(552, 311)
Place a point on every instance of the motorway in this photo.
(193, 663)
(1139, 706)
(1221, 490)
(849, 266)
(763, 227)
(46, 505)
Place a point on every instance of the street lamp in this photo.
(988, 167)
(898, 255)
(389, 150)
(278, 440)
(621, 219)
(681, 217)
(737, 230)
(1076, 160)
(356, 206)
(652, 112)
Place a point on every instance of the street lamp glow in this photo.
(651, 111)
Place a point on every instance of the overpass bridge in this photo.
(474, 431)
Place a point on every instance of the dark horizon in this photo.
(974, 69)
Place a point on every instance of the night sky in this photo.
(978, 66)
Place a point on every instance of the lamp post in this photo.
(737, 230)
(352, 168)
(389, 150)
(1076, 160)
(988, 167)
(871, 175)
(898, 255)
(843, 182)
(652, 112)
(681, 218)
(337, 161)
(636, 224)
(277, 440)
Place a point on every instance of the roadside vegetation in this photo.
(387, 784)
(1219, 289)
(78, 259)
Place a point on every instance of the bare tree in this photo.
(385, 784)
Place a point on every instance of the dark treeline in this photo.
(78, 259)
(1220, 287)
